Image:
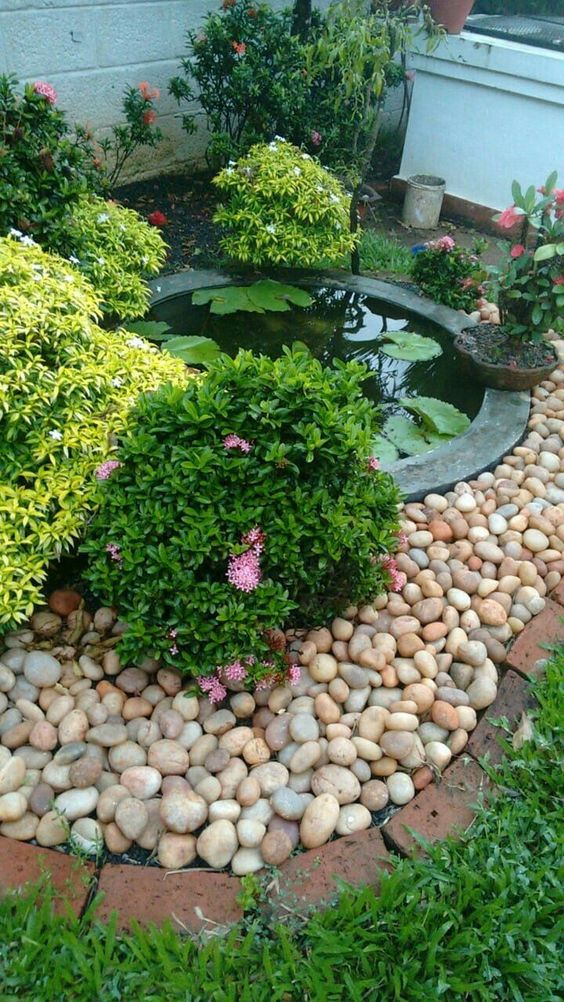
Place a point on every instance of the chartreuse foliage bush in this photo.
(281, 207)
(116, 249)
(66, 387)
(246, 498)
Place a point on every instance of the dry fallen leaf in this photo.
(523, 733)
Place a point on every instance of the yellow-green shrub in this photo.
(117, 250)
(66, 387)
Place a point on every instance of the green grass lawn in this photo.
(381, 253)
(476, 920)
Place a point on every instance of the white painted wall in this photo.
(483, 114)
(90, 50)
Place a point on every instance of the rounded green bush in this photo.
(283, 208)
(258, 476)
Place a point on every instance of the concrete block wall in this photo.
(90, 50)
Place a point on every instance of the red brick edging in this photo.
(195, 900)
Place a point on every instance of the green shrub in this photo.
(44, 168)
(249, 76)
(282, 208)
(260, 471)
(115, 249)
(66, 387)
(449, 274)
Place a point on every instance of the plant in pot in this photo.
(529, 288)
(451, 14)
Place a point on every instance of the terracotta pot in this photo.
(451, 14)
(498, 376)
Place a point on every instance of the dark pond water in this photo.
(339, 324)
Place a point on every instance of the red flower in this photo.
(239, 47)
(517, 250)
(157, 218)
(147, 92)
(508, 218)
(559, 195)
(149, 117)
(251, 12)
(559, 280)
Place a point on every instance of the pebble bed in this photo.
(94, 754)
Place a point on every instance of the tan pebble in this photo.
(115, 839)
(321, 638)
(492, 613)
(136, 706)
(444, 715)
(384, 767)
(319, 821)
(248, 791)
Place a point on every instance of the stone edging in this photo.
(198, 900)
(500, 424)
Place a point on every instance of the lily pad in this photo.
(384, 450)
(193, 350)
(439, 416)
(263, 297)
(411, 347)
(275, 296)
(226, 299)
(409, 437)
(153, 330)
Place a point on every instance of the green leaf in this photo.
(154, 330)
(516, 192)
(550, 182)
(407, 436)
(545, 252)
(384, 450)
(227, 299)
(270, 295)
(438, 415)
(193, 350)
(411, 347)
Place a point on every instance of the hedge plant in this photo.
(281, 207)
(245, 500)
(66, 388)
(116, 249)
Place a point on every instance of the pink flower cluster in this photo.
(398, 578)
(294, 674)
(213, 687)
(442, 244)
(115, 552)
(373, 464)
(106, 469)
(46, 91)
(235, 672)
(243, 570)
(509, 218)
(234, 442)
(316, 138)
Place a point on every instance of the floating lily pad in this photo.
(409, 437)
(275, 296)
(262, 297)
(193, 350)
(384, 450)
(411, 347)
(441, 417)
(153, 330)
(226, 299)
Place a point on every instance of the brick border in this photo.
(198, 900)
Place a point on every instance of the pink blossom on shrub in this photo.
(115, 552)
(559, 280)
(106, 469)
(212, 686)
(235, 442)
(255, 538)
(147, 92)
(46, 91)
(316, 138)
(294, 674)
(517, 250)
(445, 243)
(373, 463)
(244, 571)
(235, 672)
(508, 218)
(149, 117)
(398, 578)
(174, 649)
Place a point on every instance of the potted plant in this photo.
(529, 287)
(451, 14)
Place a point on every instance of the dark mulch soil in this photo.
(488, 343)
(188, 201)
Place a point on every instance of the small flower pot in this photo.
(451, 14)
(499, 375)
